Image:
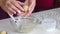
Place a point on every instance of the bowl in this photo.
(24, 25)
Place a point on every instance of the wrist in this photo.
(2, 2)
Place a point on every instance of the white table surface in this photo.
(52, 13)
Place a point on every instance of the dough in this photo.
(25, 8)
(3, 32)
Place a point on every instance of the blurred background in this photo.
(46, 5)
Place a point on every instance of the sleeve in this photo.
(3, 14)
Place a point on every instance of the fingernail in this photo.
(14, 12)
(19, 11)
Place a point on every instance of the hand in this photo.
(12, 6)
(31, 5)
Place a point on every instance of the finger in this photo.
(11, 10)
(21, 3)
(27, 14)
(21, 14)
(7, 10)
(17, 5)
(13, 7)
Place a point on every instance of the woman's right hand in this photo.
(12, 6)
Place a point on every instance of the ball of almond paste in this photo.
(25, 8)
(3, 32)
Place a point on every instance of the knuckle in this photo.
(8, 4)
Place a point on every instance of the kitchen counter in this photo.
(52, 13)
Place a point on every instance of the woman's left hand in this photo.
(31, 6)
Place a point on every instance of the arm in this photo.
(1, 2)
